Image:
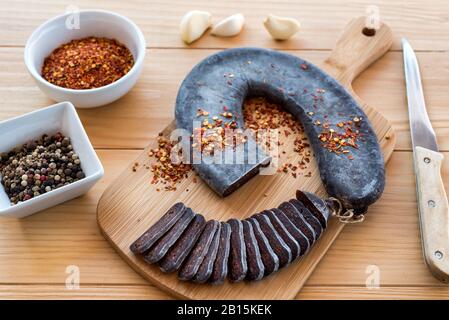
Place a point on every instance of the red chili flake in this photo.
(201, 113)
(164, 171)
(304, 66)
(339, 142)
(87, 63)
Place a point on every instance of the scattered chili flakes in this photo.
(164, 171)
(340, 141)
(258, 113)
(87, 63)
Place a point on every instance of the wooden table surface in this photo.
(35, 252)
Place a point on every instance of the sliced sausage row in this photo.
(211, 251)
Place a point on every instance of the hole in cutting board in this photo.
(369, 32)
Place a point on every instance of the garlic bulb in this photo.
(194, 24)
(230, 26)
(281, 28)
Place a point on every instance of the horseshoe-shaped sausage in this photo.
(228, 77)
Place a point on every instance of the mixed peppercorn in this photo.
(87, 63)
(38, 167)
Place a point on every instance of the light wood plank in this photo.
(39, 248)
(135, 119)
(85, 292)
(424, 24)
(149, 292)
(386, 293)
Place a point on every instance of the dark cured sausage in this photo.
(316, 205)
(237, 256)
(308, 217)
(193, 261)
(207, 266)
(269, 258)
(220, 270)
(161, 247)
(157, 230)
(296, 233)
(254, 259)
(179, 251)
(295, 84)
(280, 248)
(283, 233)
(289, 210)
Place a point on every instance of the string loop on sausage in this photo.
(345, 215)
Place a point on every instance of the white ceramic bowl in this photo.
(97, 23)
(60, 117)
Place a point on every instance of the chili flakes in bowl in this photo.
(87, 63)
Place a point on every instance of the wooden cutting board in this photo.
(131, 204)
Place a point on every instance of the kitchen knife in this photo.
(432, 200)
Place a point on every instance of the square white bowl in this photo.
(60, 117)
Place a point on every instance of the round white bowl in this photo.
(96, 23)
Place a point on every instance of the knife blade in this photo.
(433, 205)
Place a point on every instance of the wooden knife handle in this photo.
(433, 212)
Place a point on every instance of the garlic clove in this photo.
(230, 26)
(194, 24)
(281, 28)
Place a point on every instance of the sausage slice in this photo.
(161, 247)
(283, 233)
(207, 266)
(253, 257)
(157, 230)
(294, 216)
(237, 258)
(296, 233)
(315, 205)
(269, 258)
(280, 248)
(308, 216)
(194, 260)
(178, 252)
(220, 270)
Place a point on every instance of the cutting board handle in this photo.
(355, 50)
